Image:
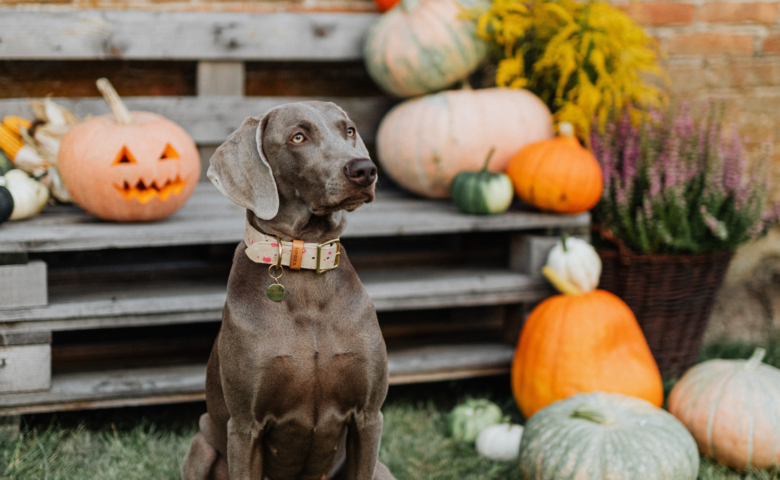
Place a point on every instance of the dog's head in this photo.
(309, 151)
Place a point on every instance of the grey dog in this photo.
(294, 388)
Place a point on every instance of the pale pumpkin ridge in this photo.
(686, 385)
(711, 419)
(387, 59)
(424, 119)
(423, 79)
(751, 423)
(770, 386)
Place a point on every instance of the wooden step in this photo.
(209, 218)
(165, 303)
(172, 384)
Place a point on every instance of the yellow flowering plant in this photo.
(584, 59)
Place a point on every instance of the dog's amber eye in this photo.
(298, 138)
(351, 132)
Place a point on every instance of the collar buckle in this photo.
(337, 260)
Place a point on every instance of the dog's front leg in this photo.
(245, 456)
(363, 437)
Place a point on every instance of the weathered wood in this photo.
(161, 305)
(210, 218)
(139, 35)
(187, 382)
(24, 338)
(221, 78)
(210, 119)
(23, 285)
(25, 368)
(14, 256)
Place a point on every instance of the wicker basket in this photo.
(672, 297)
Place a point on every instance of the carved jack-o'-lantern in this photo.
(129, 166)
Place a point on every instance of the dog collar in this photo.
(263, 248)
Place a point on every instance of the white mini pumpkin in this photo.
(30, 196)
(576, 261)
(500, 442)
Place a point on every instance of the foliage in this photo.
(675, 185)
(582, 58)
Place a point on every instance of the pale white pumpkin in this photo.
(30, 196)
(500, 442)
(576, 261)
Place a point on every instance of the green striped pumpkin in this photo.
(422, 46)
(600, 436)
(482, 192)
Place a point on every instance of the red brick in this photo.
(771, 44)
(722, 12)
(710, 44)
(660, 13)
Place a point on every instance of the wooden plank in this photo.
(24, 338)
(160, 305)
(23, 285)
(210, 119)
(187, 382)
(139, 35)
(210, 218)
(221, 78)
(25, 368)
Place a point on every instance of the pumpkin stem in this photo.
(410, 5)
(487, 160)
(564, 237)
(754, 361)
(121, 113)
(586, 412)
(565, 129)
(564, 286)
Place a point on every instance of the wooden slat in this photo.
(161, 305)
(210, 119)
(187, 382)
(210, 218)
(23, 285)
(139, 35)
(25, 368)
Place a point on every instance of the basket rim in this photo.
(633, 257)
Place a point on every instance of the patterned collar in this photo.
(264, 248)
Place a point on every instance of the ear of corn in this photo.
(12, 122)
(9, 143)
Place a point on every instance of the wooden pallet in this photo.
(181, 293)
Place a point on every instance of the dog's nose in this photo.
(361, 171)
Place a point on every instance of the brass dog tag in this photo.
(276, 292)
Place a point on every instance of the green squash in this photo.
(483, 192)
(470, 418)
(599, 436)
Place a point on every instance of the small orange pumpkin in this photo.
(582, 342)
(732, 408)
(129, 166)
(557, 174)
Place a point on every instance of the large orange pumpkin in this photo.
(578, 343)
(424, 142)
(732, 408)
(423, 46)
(557, 174)
(129, 166)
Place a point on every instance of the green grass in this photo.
(148, 443)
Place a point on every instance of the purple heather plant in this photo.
(675, 184)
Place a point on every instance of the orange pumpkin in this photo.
(385, 5)
(424, 142)
(557, 174)
(129, 166)
(732, 408)
(578, 343)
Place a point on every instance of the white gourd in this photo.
(30, 196)
(577, 262)
(500, 442)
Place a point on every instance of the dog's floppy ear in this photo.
(241, 172)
